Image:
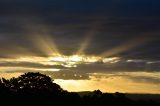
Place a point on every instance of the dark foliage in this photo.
(39, 90)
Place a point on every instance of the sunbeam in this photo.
(85, 44)
(130, 44)
(88, 38)
(46, 45)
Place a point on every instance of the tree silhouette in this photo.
(3, 89)
(39, 89)
(32, 83)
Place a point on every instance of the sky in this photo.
(111, 45)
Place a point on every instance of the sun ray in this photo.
(84, 44)
(125, 47)
(88, 38)
(42, 39)
(46, 45)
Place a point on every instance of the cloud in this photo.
(68, 75)
(68, 23)
(136, 77)
(112, 24)
(125, 29)
(82, 70)
(30, 65)
(145, 79)
(65, 34)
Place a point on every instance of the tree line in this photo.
(40, 90)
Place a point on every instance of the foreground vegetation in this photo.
(38, 89)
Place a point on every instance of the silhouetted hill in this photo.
(40, 90)
(136, 97)
(154, 97)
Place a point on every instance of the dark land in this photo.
(39, 90)
(132, 96)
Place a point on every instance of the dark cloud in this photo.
(110, 24)
(145, 79)
(121, 66)
(30, 65)
(68, 75)
(83, 71)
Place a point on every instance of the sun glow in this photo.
(111, 60)
(74, 60)
(60, 60)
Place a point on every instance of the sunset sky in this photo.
(84, 45)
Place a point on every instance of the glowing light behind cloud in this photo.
(107, 82)
(55, 61)
(111, 60)
(34, 39)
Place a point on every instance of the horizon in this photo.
(89, 91)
